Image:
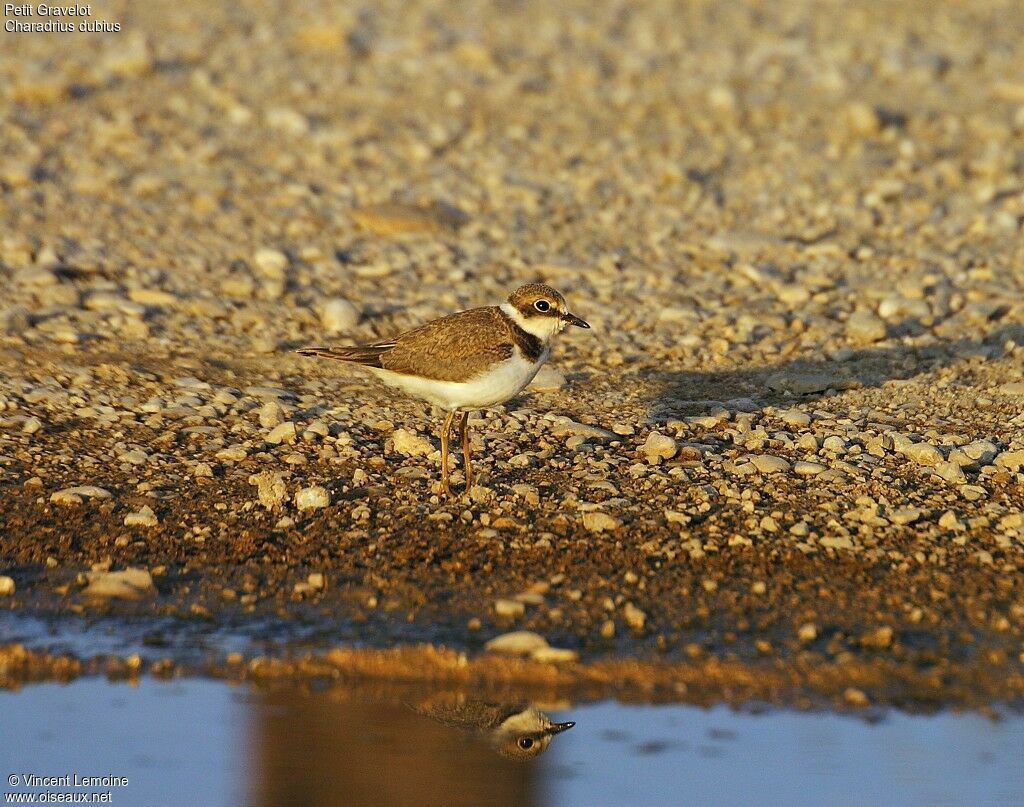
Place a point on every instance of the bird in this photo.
(516, 730)
(469, 360)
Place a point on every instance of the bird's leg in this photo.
(445, 432)
(466, 465)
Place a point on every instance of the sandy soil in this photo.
(792, 447)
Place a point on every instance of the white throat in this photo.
(541, 327)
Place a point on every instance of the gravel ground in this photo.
(794, 437)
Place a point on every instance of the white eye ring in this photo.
(542, 305)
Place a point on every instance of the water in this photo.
(203, 742)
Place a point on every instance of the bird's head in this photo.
(540, 310)
(527, 734)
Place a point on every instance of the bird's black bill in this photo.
(572, 319)
(558, 728)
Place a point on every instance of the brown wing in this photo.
(452, 348)
(368, 355)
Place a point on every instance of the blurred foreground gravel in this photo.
(794, 436)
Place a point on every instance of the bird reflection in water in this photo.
(327, 749)
(514, 730)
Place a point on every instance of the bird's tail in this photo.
(367, 355)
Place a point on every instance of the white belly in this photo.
(497, 385)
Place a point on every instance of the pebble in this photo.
(769, 464)
(77, 494)
(803, 383)
(1013, 460)
(802, 468)
(411, 444)
(130, 584)
(509, 608)
(517, 643)
(548, 379)
(635, 618)
(554, 655)
(864, 328)
(270, 263)
(271, 490)
(951, 472)
(282, 433)
(658, 447)
(338, 315)
(596, 521)
(312, 498)
(922, 454)
(271, 415)
(145, 517)
(14, 321)
(7, 587)
(950, 521)
(905, 515)
(795, 418)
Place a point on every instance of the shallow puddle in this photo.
(196, 741)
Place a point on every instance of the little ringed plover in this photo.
(470, 360)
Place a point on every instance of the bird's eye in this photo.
(542, 305)
(526, 743)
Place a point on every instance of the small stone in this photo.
(949, 521)
(801, 468)
(1012, 460)
(548, 379)
(861, 119)
(282, 433)
(658, 447)
(76, 495)
(7, 586)
(135, 457)
(271, 415)
(517, 643)
(130, 584)
(596, 521)
(1012, 388)
(312, 498)
(203, 470)
(807, 632)
(879, 638)
(338, 315)
(509, 608)
(981, 451)
(922, 453)
(769, 464)
(411, 444)
(837, 542)
(31, 425)
(235, 453)
(795, 418)
(14, 321)
(395, 218)
(635, 618)
(905, 515)
(554, 655)
(864, 327)
(607, 629)
(951, 472)
(803, 383)
(316, 580)
(270, 263)
(855, 697)
(145, 517)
